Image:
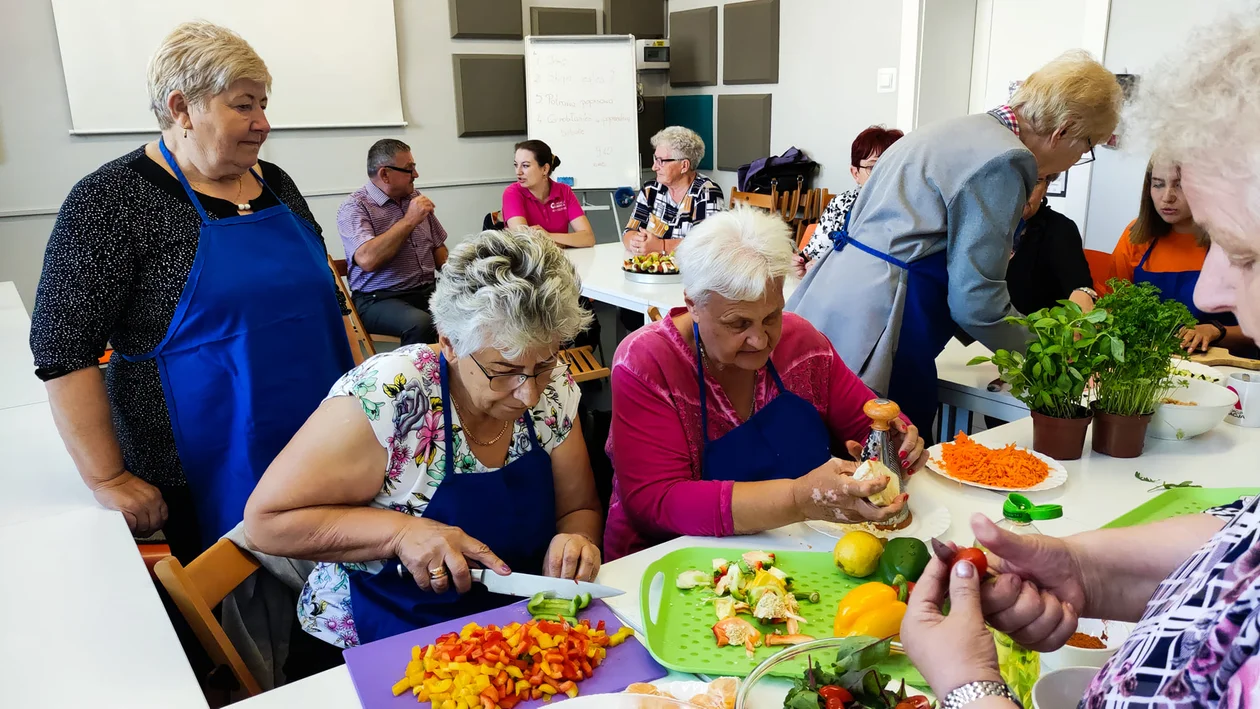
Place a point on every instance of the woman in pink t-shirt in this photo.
(536, 201)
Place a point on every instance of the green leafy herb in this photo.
(1147, 331)
(1161, 485)
(856, 670)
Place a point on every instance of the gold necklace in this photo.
(468, 431)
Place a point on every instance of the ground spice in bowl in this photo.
(1086, 642)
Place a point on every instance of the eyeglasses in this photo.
(1086, 160)
(504, 383)
(661, 161)
(407, 170)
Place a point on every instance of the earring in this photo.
(185, 132)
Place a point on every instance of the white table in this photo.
(964, 391)
(18, 384)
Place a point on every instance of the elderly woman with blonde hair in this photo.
(428, 459)
(925, 248)
(204, 269)
(1191, 583)
(725, 412)
(679, 198)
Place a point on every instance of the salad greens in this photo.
(855, 671)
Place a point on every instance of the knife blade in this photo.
(526, 585)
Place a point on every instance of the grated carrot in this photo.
(1007, 467)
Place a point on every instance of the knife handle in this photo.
(477, 575)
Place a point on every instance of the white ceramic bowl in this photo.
(1062, 689)
(1115, 631)
(1174, 422)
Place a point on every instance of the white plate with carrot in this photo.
(1010, 468)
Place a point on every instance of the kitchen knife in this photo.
(526, 585)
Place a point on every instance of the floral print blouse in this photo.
(1196, 644)
(832, 219)
(400, 393)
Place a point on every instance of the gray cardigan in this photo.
(957, 185)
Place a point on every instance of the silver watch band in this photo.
(975, 691)
(1093, 294)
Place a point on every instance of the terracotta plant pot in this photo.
(1061, 439)
(1119, 436)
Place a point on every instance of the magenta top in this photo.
(553, 215)
(655, 441)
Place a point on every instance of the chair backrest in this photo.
(584, 366)
(1102, 268)
(753, 199)
(654, 313)
(361, 346)
(806, 236)
(197, 589)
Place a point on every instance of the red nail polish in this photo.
(903, 455)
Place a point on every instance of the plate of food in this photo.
(651, 268)
(1193, 370)
(1010, 468)
(928, 520)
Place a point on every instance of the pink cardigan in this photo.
(655, 441)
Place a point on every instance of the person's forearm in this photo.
(327, 533)
(80, 408)
(756, 507)
(382, 248)
(669, 245)
(588, 523)
(573, 239)
(440, 254)
(1123, 567)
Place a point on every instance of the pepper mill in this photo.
(880, 446)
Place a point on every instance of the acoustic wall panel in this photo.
(645, 19)
(562, 20)
(696, 113)
(743, 129)
(486, 19)
(693, 47)
(489, 94)
(750, 36)
(651, 121)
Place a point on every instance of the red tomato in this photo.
(836, 697)
(919, 702)
(975, 556)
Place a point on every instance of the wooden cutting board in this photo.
(1220, 357)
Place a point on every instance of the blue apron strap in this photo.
(529, 426)
(775, 373)
(179, 174)
(444, 376)
(704, 410)
(840, 239)
(1149, 249)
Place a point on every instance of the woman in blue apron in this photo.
(750, 446)
(435, 458)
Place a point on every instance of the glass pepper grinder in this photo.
(880, 446)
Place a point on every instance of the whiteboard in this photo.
(582, 100)
(333, 63)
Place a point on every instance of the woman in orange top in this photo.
(1164, 247)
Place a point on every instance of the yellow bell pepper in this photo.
(871, 609)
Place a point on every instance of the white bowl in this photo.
(1175, 422)
(1062, 689)
(1115, 631)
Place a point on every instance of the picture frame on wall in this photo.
(1058, 187)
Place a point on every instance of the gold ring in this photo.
(438, 573)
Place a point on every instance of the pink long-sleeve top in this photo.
(655, 443)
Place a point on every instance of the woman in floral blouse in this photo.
(1192, 582)
(427, 459)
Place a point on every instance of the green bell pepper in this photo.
(904, 556)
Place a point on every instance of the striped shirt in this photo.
(657, 212)
(368, 213)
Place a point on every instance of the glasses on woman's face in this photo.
(658, 160)
(1086, 159)
(505, 383)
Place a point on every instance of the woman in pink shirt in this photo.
(750, 450)
(536, 201)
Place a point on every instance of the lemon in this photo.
(857, 554)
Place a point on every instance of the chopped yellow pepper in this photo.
(871, 609)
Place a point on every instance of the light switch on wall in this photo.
(886, 81)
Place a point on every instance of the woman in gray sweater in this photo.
(926, 245)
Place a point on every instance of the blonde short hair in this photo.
(734, 254)
(1074, 92)
(1200, 107)
(200, 60)
(510, 291)
(684, 142)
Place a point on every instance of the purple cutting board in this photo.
(376, 667)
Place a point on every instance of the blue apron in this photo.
(926, 326)
(1179, 286)
(512, 510)
(784, 440)
(255, 342)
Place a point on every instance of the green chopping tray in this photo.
(1181, 501)
(681, 636)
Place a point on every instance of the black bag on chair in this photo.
(493, 221)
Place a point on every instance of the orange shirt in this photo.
(1173, 252)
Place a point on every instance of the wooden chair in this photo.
(362, 343)
(768, 202)
(1102, 268)
(152, 553)
(196, 591)
(654, 313)
(584, 366)
(806, 234)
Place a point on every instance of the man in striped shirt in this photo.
(394, 245)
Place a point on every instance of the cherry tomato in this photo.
(919, 702)
(975, 556)
(836, 697)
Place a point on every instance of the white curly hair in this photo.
(1200, 107)
(510, 291)
(735, 254)
(683, 142)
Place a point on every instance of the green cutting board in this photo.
(681, 636)
(1181, 501)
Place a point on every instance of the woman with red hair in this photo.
(867, 147)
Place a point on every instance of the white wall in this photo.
(40, 161)
(946, 44)
(829, 51)
(1140, 33)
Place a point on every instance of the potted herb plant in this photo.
(1053, 373)
(1139, 371)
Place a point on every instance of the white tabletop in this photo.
(39, 478)
(84, 624)
(18, 384)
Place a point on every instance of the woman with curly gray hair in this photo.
(431, 456)
(678, 199)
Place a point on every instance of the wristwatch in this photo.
(1220, 332)
(976, 691)
(1093, 294)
